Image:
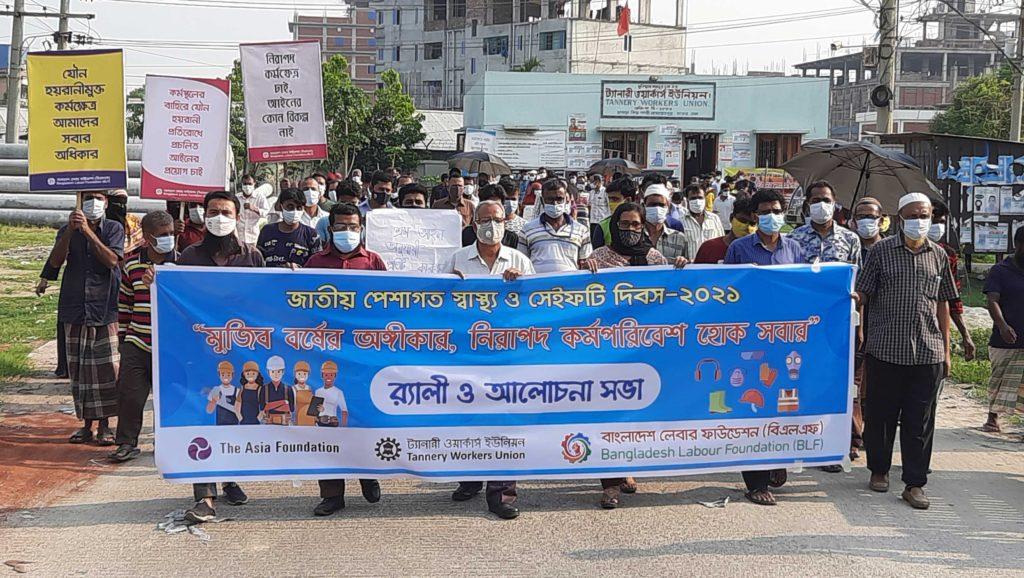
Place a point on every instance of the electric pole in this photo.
(17, 55)
(1018, 85)
(62, 27)
(14, 72)
(888, 33)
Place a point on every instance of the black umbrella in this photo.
(479, 162)
(859, 169)
(614, 166)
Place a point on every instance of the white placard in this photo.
(185, 137)
(1011, 202)
(479, 140)
(284, 104)
(530, 150)
(579, 156)
(414, 239)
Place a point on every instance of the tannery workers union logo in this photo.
(388, 449)
(576, 448)
(199, 449)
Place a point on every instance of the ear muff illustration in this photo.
(700, 364)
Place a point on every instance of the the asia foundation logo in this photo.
(575, 448)
(388, 449)
(199, 449)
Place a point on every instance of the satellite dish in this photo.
(881, 96)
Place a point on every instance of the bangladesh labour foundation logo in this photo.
(388, 449)
(199, 449)
(576, 448)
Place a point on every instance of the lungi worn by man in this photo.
(91, 246)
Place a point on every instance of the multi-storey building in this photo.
(950, 50)
(442, 47)
(352, 35)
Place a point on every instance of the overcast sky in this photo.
(752, 34)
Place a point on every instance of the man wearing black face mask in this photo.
(380, 193)
(456, 200)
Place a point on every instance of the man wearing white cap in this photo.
(906, 286)
(668, 242)
(276, 398)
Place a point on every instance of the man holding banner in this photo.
(489, 256)
(219, 248)
(344, 250)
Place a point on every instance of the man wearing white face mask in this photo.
(554, 241)
(668, 242)
(312, 214)
(92, 246)
(488, 256)
(288, 243)
(821, 239)
(219, 248)
(255, 207)
(135, 330)
(699, 224)
(906, 287)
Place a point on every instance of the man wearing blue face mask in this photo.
(135, 380)
(91, 245)
(768, 246)
(906, 287)
(345, 250)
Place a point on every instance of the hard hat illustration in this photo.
(754, 398)
(275, 363)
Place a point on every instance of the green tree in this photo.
(134, 118)
(392, 128)
(980, 107)
(532, 65)
(346, 109)
(236, 123)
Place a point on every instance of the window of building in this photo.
(529, 9)
(438, 10)
(552, 40)
(519, 42)
(380, 54)
(496, 45)
(371, 69)
(458, 8)
(380, 17)
(396, 17)
(397, 54)
(472, 66)
(913, 96)
(626, 145)
(462, 87)
(432, 51)
(558, 8)
(775, 149)
(474, 27)
(339, 41)
(499, 13)
(371, 42)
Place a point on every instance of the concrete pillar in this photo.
(945, 66)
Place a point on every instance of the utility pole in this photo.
(887, 30)
(17, 55)
(14, 73)
(63, 35)
(1017, 98)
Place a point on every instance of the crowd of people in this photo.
(906, 288)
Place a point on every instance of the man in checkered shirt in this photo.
(906, 287)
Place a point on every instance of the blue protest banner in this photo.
(276, 374)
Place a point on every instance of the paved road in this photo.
(825, 525)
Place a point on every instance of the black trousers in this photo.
(904, 396)
(201, 491)
(134, 382)
(498, 492)
(336, 488)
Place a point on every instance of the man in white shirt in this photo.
(255, 208)
(312, 214)
(598, 201)
(489, 257)
(699, 224)
(724, 202)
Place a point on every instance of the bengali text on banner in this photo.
(647, 372)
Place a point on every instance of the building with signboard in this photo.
(687, 125)
(352, 36)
